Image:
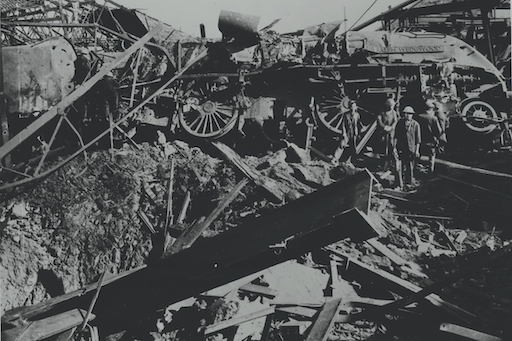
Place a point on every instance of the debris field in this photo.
(165, 187)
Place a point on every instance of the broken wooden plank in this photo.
(474, 186)
(422, 216)
(169, 217)
(146, 221)
(190, 235)
(259, 289)
(403, 284)
(369, 133)
(238, 320)
(295, 327)
(223, 290)
(324, 322)
(266, 328)
(271, 186)
(298, 310)
(184, 207)
(93, 301)
(66, 335)
(467, 332)
(42, 329)
(36, 309)
(320, 154)
(452, 164)
(386, 252)
(336, 290)
(233, 254)
(447, 280)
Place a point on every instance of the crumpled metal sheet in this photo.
(39, 76)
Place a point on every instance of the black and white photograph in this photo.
(255, 170)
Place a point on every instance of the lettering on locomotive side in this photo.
(406, 49)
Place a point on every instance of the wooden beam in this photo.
(369, 133)
(331, 213)
(447, 280)
(42, 329)
(470, 168)
(298, 310)
(474, 186)
(405, 285)
(225, 289)
(190, 235)
(184, 207)
(72, 97)
(386, 251)
(325, 320)
(422, 216)
(36, 309)
(259, 289)
(467, 332)
(276, 195)
(238, 320)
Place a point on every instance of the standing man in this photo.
(408, 140)
(387, 121)
(444, 124)
(430, 132)
(351, 125)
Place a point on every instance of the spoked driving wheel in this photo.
(209, 110)
(331, 108)
(479, 116)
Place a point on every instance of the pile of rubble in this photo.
(120, 211)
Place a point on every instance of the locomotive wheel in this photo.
(331, 108)
(477, 116)
(208, 112)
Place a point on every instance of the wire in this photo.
(362, 15)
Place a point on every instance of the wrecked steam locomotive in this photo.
(207, 88)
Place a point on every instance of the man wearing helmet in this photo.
(430, 132)
(351, 127)
(408, 140)
(387, 121)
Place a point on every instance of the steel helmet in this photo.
(408, 110)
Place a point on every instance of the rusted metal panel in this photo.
(37, 77)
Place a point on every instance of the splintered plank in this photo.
(271, 186)
(298, 310)
(329, 214)
(408, 286)
(42, 329)
(467, 332)
(324, 322)
(227, 288)
(238, 320)
(259, 289)
(386, 251)
(190, 235)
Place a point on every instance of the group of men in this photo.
(404, 137)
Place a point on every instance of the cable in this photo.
(362, 15)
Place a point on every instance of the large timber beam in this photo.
(330, 214)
